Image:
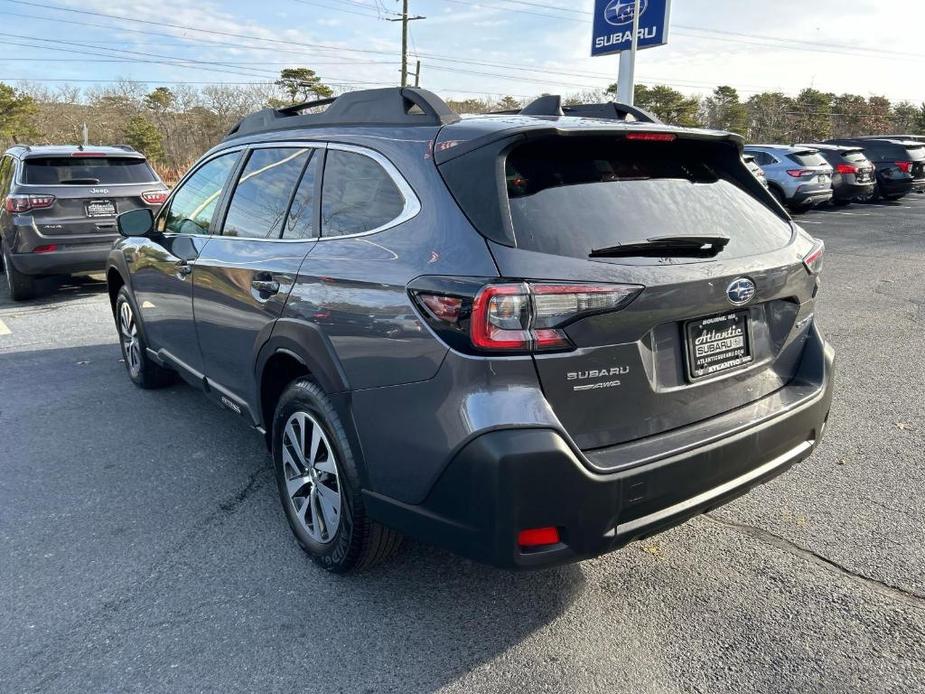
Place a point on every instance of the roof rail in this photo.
(388, 106)
(127, 148)
(551, 105)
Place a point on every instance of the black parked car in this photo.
(900, 165)
(60, 207)
(853, 173)
(442, 332)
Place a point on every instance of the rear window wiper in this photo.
(665, 247)
(79, 181)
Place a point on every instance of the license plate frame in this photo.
(729, 349)
(91, 208)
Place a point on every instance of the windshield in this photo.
(569, 198)
(86, 171)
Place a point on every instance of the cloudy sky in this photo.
(517, 47)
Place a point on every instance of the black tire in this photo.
(356, 543)
(20, 286)
(141, 369)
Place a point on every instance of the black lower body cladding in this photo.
(510, 480)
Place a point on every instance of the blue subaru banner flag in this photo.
(613, 25)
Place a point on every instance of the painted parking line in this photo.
(3, 329)
(852, 214)
(806, 221)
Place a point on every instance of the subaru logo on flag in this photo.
(620, 12)
(741, 291)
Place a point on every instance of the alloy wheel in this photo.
(131, 344)
(312, 479)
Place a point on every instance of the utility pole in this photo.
(626, 78)
(404, 19)
(417, 73)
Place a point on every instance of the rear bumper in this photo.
(853, 191)
(505, 481)
(85, 258)
(811, 197)
(895, 187)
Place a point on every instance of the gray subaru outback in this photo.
(60, 207)
(530, 338)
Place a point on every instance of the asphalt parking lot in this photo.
(142, 547)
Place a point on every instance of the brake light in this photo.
(47, 248)
(813, 259)
(797, 173)
(904, 166)
(18, 204)
(537, 537)
(155, 197)
(516, 317)
(88, 154)
(651, 137)
(846, 169)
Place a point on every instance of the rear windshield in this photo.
(808, 159)
(857, 157)
(86, 171)
(570, 197)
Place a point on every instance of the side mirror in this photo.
(136, 222)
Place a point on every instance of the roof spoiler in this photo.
(551, 105)
(388, 106)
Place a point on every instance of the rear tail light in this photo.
(515, 317)
(47, 248)
(155, 197)
(538, 537)
(904, 166)
(797, 173)
(846, 169)
(24, 203)
(813, 259)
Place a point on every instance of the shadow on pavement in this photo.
(174, 550)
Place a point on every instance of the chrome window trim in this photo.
(410, 210)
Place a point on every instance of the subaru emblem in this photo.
(741, 291)
(620, 12)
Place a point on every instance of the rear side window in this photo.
(808, 158)
(763, 158)
(261, 197)
(570, 197)
(86, 171)
(357, 195)
(194, 202)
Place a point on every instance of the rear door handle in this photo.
(265, 286)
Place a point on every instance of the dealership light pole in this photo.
(626, 78)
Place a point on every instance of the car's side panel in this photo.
(234, 316)
(354, 287)
(160, 269)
